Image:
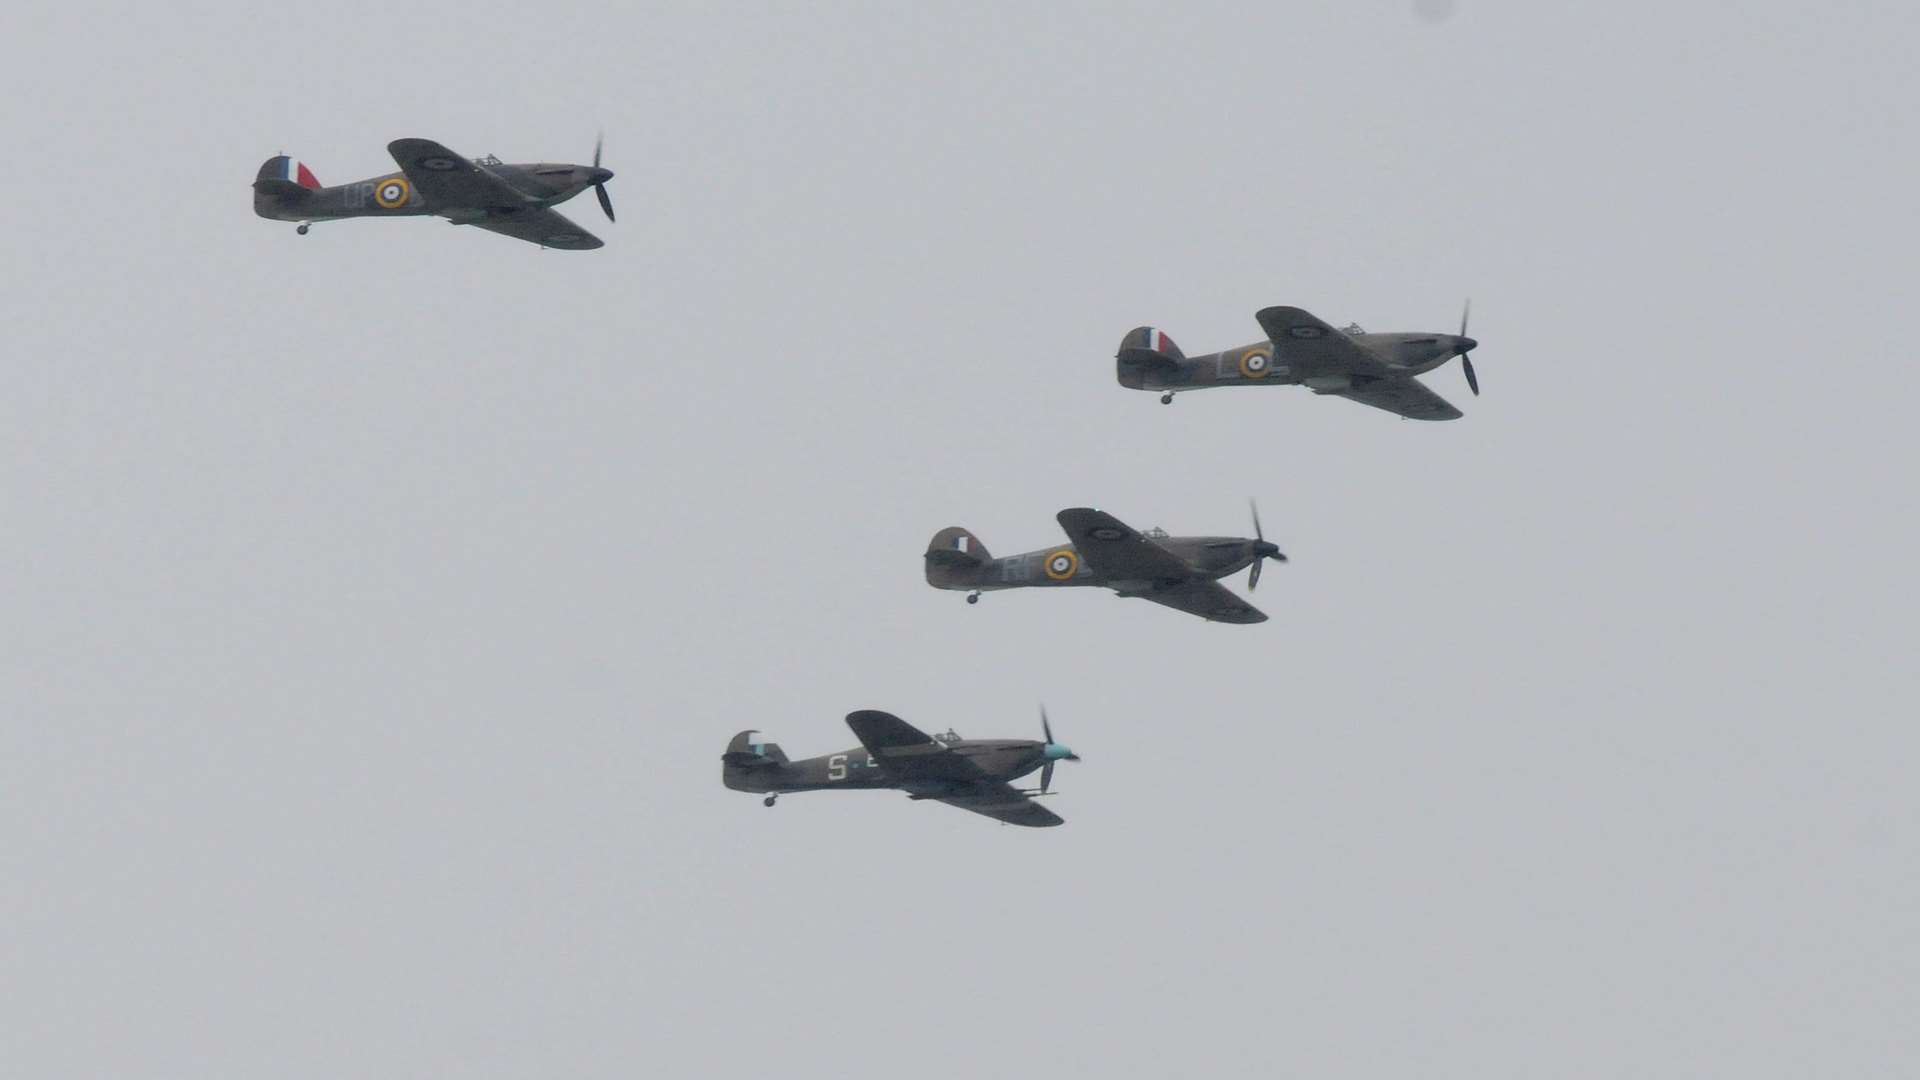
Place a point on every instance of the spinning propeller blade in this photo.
(1053, 752)
(1466, 362)
(1262, 551)
(600, 187)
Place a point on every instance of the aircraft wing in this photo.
(538, 225)
(1210, 600)
(1002, 801)
(1115, 550)
(449, 182)
(927, 770)
(910, 756)
(1406, 396)
(1311, 347)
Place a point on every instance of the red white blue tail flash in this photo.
(298, 173)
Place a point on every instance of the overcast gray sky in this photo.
(377, 603)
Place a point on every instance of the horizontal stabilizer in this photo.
(283, 190)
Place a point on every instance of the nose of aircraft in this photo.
(1060, 752)
(598, 175)
(1465, 344)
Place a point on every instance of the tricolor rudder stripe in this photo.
(1159, 342)
(297, 173)
(1153, 340)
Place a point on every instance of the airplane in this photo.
(972, 774)
(512, 200)
(1372, 369)
(1178, 571)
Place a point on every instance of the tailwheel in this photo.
(302, 230)
(1166, 398)
(769, 800)
(973, 598)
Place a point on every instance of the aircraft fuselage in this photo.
(392, 195)
(1206, 556)
(1001, 759)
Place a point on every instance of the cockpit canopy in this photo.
(1155, 533)
(488, 160)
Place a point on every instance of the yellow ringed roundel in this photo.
(392, 192)
(1257, 362)
(1062, 565)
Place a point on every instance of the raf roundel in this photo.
(438, 164)
(1106, 532)
(392, 193)
(1062, 565)
(1256, 363)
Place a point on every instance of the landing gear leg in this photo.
(1166, 398)
(973, 597)
(768, 801)
(302, 230)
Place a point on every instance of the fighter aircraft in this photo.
(1178, 571)
(512, 200)
(971, 774)
(1372, 369)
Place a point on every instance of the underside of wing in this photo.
(548, 228)
(1208, 599)
(1312, 348)
(1116, 550)
(1001, 801)
(1404, 396)
(449, 182)
(910, 756)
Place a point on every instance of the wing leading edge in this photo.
(1316, 349)
(1119, 553)
(1210, 600)
(1313, 348)
(456, 188)
(548, 228)
(1003, 802)
(1405, 396)
(450, 183)
(1116, 550)
(929, 770)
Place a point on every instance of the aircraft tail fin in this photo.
(281, 169)
(744, 752)
(749, 765)
(1146, 352)
(952, 554)
(282, 184)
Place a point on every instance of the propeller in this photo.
(1466, 346)
(1053, 750)
(600, 185)
(1262, 551)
